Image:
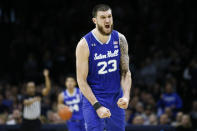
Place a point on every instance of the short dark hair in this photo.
(70, 76)
(100, 7)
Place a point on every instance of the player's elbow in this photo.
(129, 73)
(81, 83)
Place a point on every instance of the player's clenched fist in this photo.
(103, 112)
(123, 102)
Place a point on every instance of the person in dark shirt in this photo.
(32, 105)
(3, 107)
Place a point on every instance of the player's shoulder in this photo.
(62, 93)
(120, 35)
(82, 48)
(82, 42)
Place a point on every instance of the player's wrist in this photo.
(126, 97)
(97, 105)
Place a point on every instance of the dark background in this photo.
(44, 34)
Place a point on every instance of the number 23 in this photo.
(104, 64)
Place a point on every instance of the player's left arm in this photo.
(126, 80)
(47, 88)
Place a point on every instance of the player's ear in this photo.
(94, 20)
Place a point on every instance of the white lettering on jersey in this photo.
(74, 101)
(108, 55)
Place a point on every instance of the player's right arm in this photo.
(82, 58)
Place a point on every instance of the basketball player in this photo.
(103, 73)
(32, 105)
(71, 97)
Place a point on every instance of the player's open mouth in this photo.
(107, 26)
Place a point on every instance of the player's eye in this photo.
(102, 17)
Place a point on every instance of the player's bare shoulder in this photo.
(123, 42)
(82, 48)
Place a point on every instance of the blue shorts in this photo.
(115, 123)
(76, 125)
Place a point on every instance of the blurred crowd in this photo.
(161, 37)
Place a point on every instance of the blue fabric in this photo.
(75, 103)
(76, 125)
(104, 61)
(170, 100)
(115, 123)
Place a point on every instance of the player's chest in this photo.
(72, 100)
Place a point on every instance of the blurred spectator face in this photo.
(168, 88)
(186, 122)
(70, 83)
(139, 107)
(31, 88)
(104, 22)
(16, 114)
(168, 112)
(153, 120)
(134, 101)
(138, 120)
(179, 116)
(148, 110)
(164, 119)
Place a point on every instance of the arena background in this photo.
(44, 34)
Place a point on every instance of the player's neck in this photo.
(102, 38)
(71, 91)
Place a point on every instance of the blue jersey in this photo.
(104, 64)
(75, 103)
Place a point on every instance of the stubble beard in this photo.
(101, 30)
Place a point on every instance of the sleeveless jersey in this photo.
(104, 64)
(75, 103)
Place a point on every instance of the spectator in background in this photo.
(179, 116)
(169, 113)
(3, 107)
(164, 120)
(138, 120)
(14, 118)
(169, 99)
(186, 124)
(153, 120)
(8, 100)
(139, 109)
(193, 114)
(147, 113)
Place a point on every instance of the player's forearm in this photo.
(47, 82)
(126, 83)
(29, 102)
(87, 91)
(47, 85)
